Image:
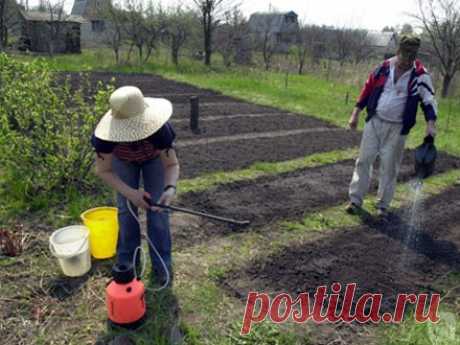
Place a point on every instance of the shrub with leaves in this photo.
(45, 130)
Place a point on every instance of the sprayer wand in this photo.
(198, 213)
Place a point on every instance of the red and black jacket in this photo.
(420, 90)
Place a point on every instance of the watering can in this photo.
(425, 158)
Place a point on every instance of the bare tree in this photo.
(440, 20)
(407, 29)
(114, 34)
(231, 34)
(266, 39)
(361, 46)
(307, 44)
(151, 27)
(56, 23)
(9, 20)
(209, 10)
(3, 27)
(176, 27)
(135, 27)
(343, 42)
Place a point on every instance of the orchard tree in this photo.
(9, 19)
(114, 34)
(231, 35)
(209, 11)
(440, 20)
(176, 27)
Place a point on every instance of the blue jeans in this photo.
(157, 223)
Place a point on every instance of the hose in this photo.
(139, 249)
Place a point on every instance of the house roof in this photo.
(36, 16)
(273, 22)
(91, 9)
(381, 39)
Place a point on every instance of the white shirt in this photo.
(394, 96)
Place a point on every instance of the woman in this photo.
(132, 139)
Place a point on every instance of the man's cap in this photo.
(409, 43)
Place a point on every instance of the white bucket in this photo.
(70, 245)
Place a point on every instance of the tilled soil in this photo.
(380, 257)
(242, 125)
(283, 197)
(231, 107)
(205, 158)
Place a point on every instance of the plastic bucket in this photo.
(70, 246)
(103, 231)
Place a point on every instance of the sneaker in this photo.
(352, 208)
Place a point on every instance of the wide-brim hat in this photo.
(132, 117)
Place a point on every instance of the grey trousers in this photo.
(383, 139)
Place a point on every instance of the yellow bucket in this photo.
(103, 231)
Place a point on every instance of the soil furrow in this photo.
(284, 197)
(200, 159)
(252, 136)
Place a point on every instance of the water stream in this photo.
(412, 219)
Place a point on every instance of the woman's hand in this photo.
(137, 198)
(166, 198)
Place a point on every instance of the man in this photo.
(391, 95)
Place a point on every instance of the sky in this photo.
(364, 14)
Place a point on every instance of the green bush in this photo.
(45, 130)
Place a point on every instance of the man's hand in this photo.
(354, 119)
(431, 128)
(353, 123)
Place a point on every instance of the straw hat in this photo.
(132, 116)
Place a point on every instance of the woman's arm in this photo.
(104, 171)
(171, 169)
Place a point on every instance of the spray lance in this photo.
(125, 293)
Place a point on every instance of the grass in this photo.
(260, 169)
(446, 332)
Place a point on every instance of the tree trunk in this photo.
(117, 55)
(139, 48)
(175, 55)
(4, 42)
(207, 50)
(207, 39)
(447, 79)
(2, 25)
(302, 58)
(131, 47)
(51, 47)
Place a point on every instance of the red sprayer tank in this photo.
(125, 298)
